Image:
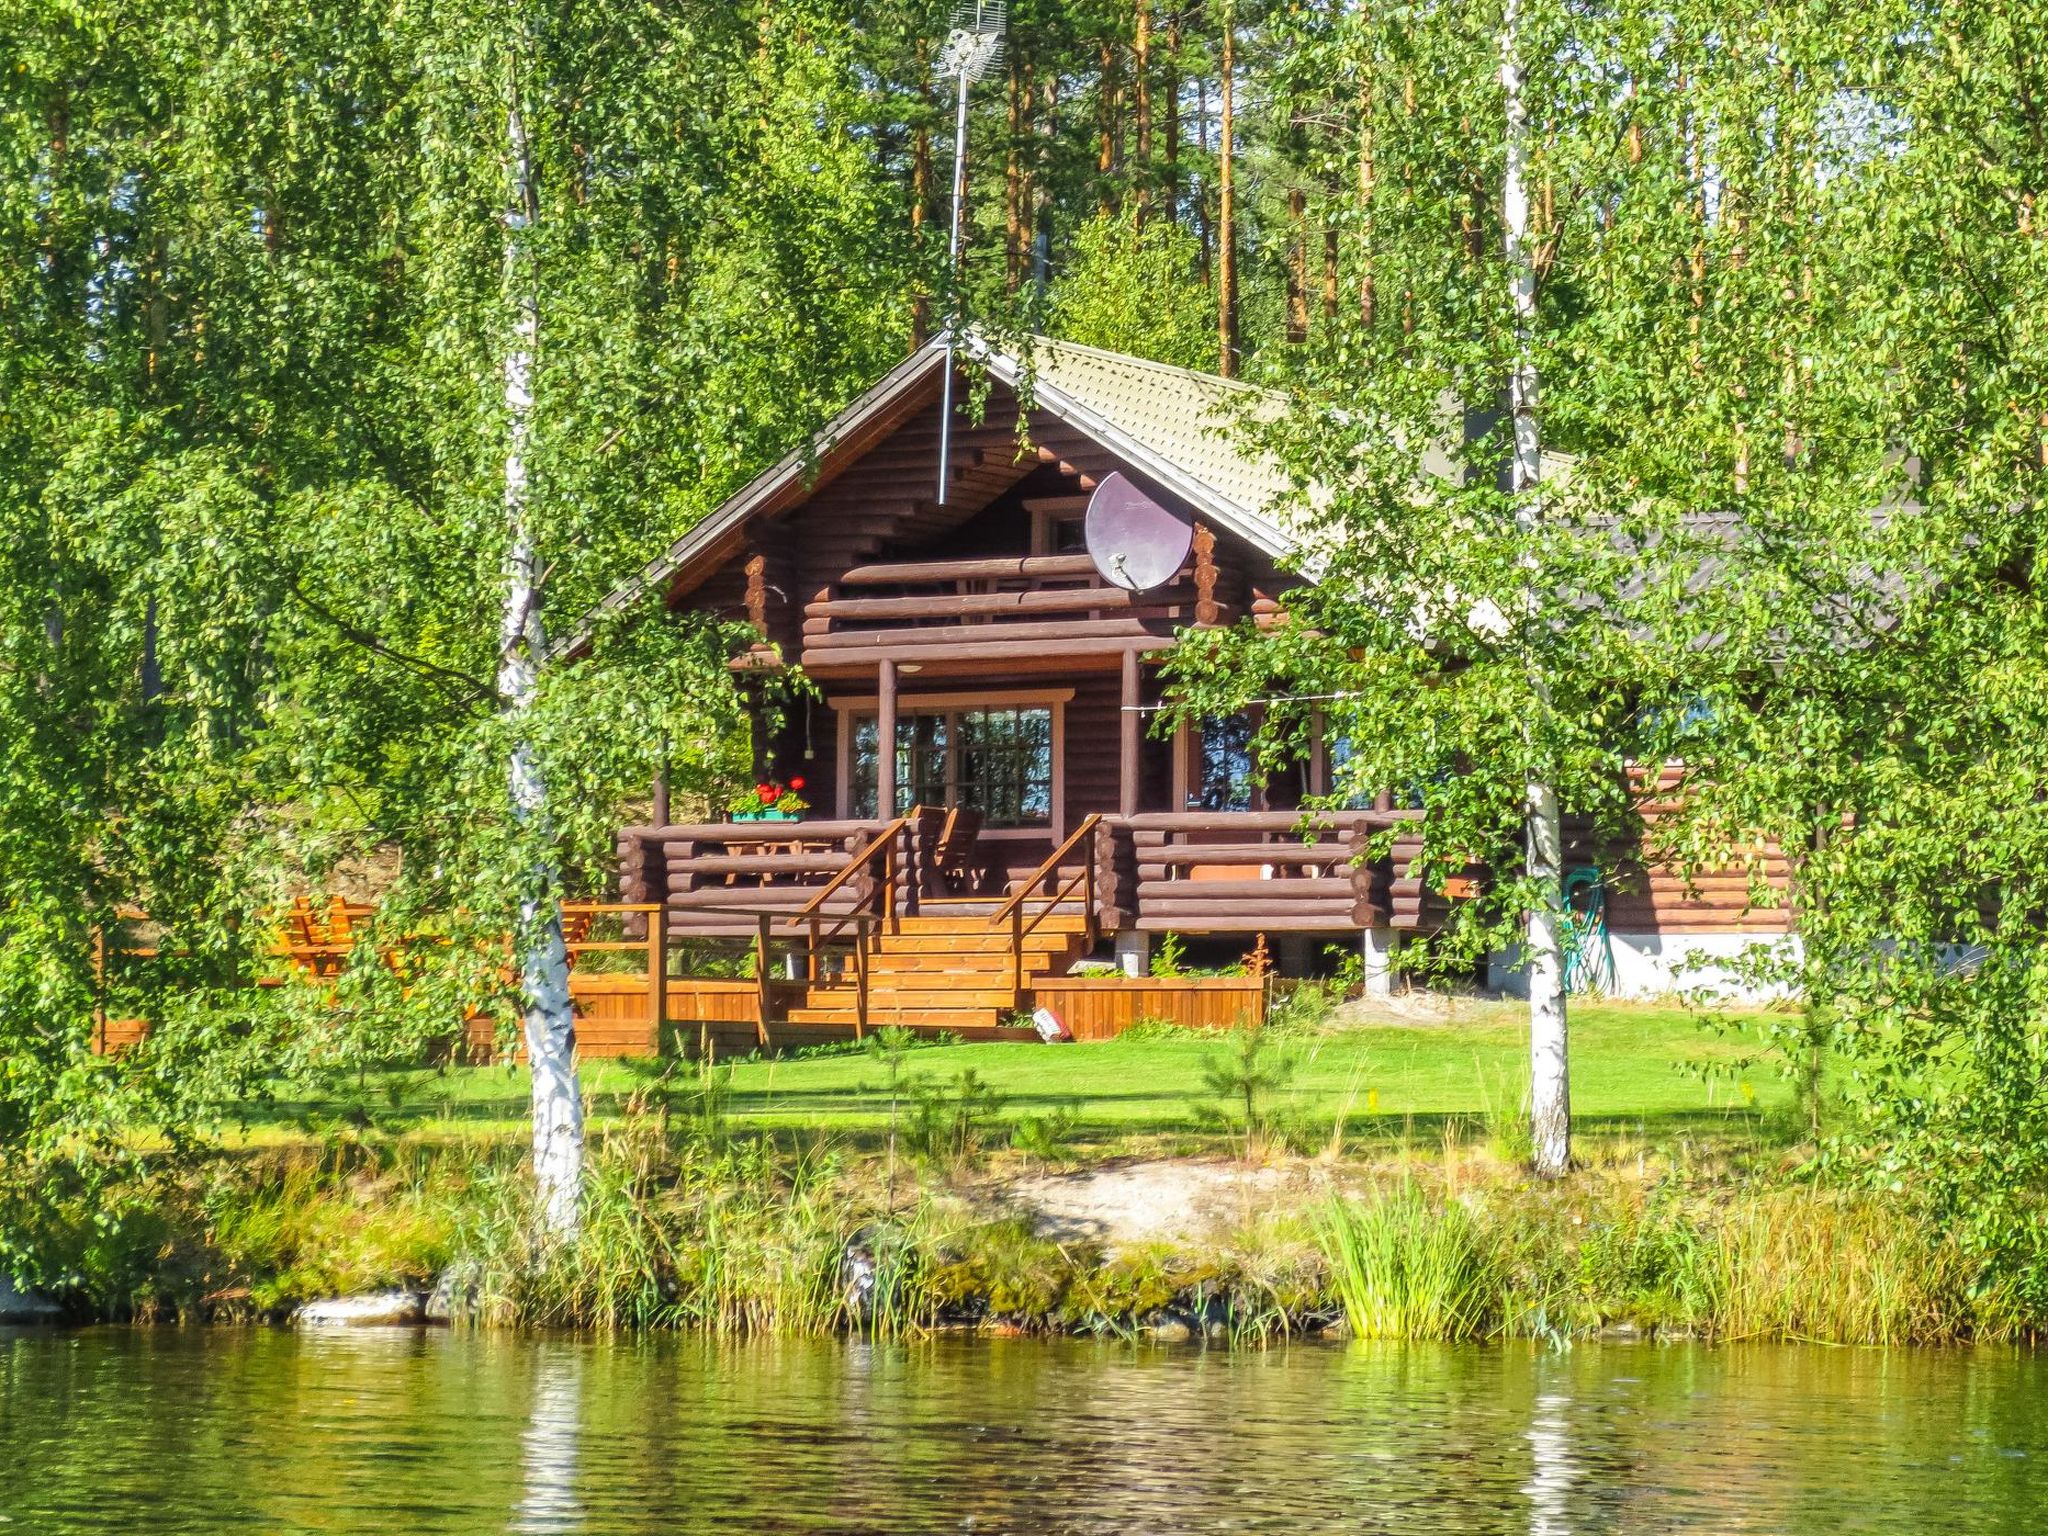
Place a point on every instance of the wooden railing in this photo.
(1012, 911)
(1248, 871)
(711, 873)
(1030, 600)
(318, 941)
(885, 845)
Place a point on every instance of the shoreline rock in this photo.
(376, 1309)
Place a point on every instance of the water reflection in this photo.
(1550, 1479)
(548, 1446)
(235, 1433)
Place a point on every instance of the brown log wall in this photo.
(1649, 897)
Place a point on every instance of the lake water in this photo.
(224, 1431)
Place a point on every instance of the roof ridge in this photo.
(1132, 360)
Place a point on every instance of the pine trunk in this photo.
(1141, 80)
(1105, 126)
(1297, 265)
(543, 958)
(1171, 131)
(1226, 211)
(1550, 1108)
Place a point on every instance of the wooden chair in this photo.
(318, 939)
(953, 867)
(575, 929)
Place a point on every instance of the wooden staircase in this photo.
(953, 972)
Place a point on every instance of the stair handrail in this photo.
(884, 840)
(1012, 911)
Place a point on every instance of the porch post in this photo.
(885, 742)
(1129, 725)
(1183, 744)
(1378, 951)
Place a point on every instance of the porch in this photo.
(848, 925)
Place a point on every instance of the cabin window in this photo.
(1223, 765)
(996, 761)
(1341, 753)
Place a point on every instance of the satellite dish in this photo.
(1136, 543)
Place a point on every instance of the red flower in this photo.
(769, 793)
(796, 783)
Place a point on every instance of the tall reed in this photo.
(1408, 1268)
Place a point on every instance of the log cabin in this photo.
(990, 803)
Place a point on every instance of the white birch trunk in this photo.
(1549, 1076)
(543, 958)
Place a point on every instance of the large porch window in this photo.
(995, 761)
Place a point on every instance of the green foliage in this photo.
(1304, 1005)
(1169, 956)
(953, 1127)
(1135, 289)
(1789, 539)
(1048, 1137)
(1251, 1066)
(1407, 1268)
(253, 294)
(1504, 1111)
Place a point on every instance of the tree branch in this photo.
(475, 691)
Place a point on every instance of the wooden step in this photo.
(1056, 922)
(921, 998)
(986, 963)
(965, 1022)
(973, 944)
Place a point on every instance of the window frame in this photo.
(1054, 700)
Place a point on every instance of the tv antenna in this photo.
(973, 47)
(1136, 543)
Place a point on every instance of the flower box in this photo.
(769, 801)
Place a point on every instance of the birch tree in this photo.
(542, 957)
(1472, 642)
(279, 432)
(1549, 1068)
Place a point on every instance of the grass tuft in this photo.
(1408, 1268)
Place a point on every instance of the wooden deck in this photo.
(1271, 872)
(973, 973)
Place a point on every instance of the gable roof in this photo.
(1171, 424)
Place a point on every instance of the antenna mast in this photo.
(974, 45)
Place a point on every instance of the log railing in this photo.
(1247, 871)
(1012, 911)
(1043, 599)
(714, 875)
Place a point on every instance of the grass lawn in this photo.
(1648, 1071)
